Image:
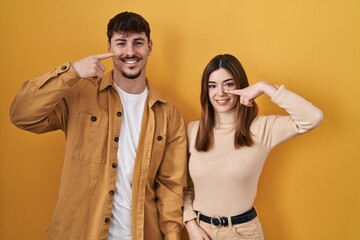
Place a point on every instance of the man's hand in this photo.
(90, 66)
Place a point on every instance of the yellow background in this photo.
(309, 188)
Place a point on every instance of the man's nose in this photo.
(129, 50)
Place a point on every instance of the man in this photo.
(125, 159)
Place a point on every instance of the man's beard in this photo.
(131, 76)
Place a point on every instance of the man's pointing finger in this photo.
(105, 55)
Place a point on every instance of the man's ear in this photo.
(150, 47)
(109, 46)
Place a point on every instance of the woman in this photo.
(228, 148)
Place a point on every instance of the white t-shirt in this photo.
(133, 109)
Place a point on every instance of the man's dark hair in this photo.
(128, 22)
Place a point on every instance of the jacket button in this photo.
(93, 119)
(159, 138)
(107, 220)
(114, 165)
(116, 139)
(119, 114)
(64, 67)
(111, 193)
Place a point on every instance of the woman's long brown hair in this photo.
(244, 115)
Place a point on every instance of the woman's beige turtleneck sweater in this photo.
(224, 179)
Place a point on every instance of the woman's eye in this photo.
(212, 86)
(229, 85)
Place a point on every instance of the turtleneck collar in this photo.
(223, 119)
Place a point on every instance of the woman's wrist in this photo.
(191, 221)
(268, 88)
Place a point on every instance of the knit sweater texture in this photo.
(224, 180)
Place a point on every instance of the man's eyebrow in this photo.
(124, 39)
(120, 40)
(139, 39)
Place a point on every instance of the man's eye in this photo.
(121, 44)
(138, 44)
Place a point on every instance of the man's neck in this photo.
(133, 86)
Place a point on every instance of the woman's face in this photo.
(219, 81)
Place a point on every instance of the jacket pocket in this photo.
(91, 138)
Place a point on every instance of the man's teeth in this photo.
(130, 61)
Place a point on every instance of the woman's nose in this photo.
(221, 91)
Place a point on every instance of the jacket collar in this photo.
(107, 81)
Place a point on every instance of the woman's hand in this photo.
(250, 93)
(195, 231)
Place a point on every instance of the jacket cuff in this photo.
(172, 236)
(68, 74)
(64, 72)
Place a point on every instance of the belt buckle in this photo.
(215, 221)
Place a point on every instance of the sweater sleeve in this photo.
(303, 117)
(189, 212)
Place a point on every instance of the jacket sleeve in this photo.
(39, 106)
(171, 179)
(303, 117)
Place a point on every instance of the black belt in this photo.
(223, 221)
